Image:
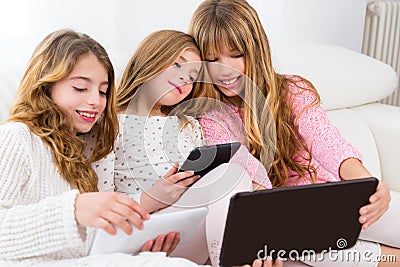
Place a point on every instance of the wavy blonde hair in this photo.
(268, 119)
(154, 54)
(52, 61)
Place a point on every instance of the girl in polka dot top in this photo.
(155, 138)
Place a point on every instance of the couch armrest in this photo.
(357, 132)
(337, 71)
(384, 122)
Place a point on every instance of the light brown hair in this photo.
(268, 120)
(154, 54)
(53, 60)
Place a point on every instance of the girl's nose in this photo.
(224, 68)
(185, 78)
(94, 98)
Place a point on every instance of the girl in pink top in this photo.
(279, 116)
(328, 152)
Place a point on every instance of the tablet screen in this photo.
(290, 221)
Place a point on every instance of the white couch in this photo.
(349, 84)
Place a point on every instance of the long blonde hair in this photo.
(268, 120)
(53, 60)
(153, 55)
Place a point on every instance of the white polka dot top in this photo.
(146, 149)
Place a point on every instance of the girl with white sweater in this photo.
(49, 202)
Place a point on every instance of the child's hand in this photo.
(379, 203)
(105, 209)
(267, 263)
(257, 186)
(163, 243)
(167, 190)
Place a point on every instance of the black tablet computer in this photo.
(203, 159)
(297, 221)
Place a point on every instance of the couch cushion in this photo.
(344, 78)
(355, 130)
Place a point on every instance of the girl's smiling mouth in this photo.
(89, 116)
(176, 87)
(229, 83)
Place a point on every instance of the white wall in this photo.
(121, 25)
(338, 22)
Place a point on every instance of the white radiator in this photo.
(382, 37)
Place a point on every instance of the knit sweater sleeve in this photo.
(324, 140)
(31, 226)
(224, 127)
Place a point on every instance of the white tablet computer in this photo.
(184, 221)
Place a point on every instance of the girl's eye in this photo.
(238, 55)
(79, 89)
(103, 92)
(176, 64)
(192, 79)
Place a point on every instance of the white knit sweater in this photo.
(37, 222)
(37, 219)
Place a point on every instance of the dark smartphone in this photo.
(203, 159)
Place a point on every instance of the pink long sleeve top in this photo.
(329, 148)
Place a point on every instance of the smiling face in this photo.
(82, 94)
(175, 83)
(227, 70)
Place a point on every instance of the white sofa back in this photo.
(344, 78)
